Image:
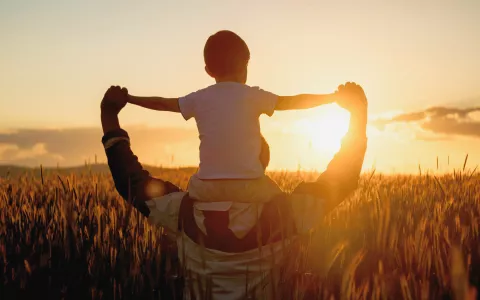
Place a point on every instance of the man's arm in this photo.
(156, 103)
(340, 178)
(132, 182)
(304, 101)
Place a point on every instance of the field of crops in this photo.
(70, 235)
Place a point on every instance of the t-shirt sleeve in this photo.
(265, 101)
(187, 105)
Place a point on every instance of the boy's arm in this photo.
(304, 101)
(155, 103)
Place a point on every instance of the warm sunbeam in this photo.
(325, 129)
(238, 129)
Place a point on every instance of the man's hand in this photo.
(352, 98)
(114, 100)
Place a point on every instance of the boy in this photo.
(227, 117)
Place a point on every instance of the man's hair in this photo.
(225, 53)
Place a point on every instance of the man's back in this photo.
(161, 202)
(227, 116)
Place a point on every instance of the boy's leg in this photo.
(258, 190)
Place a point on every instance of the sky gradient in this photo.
(58, 57)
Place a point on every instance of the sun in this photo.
(324, 129)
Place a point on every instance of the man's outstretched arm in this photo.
(132, 182)
(340, 178)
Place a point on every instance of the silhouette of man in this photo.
(217, 262)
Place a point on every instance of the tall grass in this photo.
(71, 236)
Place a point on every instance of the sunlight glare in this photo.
(326, 130)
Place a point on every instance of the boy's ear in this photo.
(208, 72)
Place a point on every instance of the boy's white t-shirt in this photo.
(227, 116)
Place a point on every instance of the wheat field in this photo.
(68, 235)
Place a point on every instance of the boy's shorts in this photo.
(243, 198)
(259, 190)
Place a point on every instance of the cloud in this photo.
(453, 126)
(442, 121)
(35, 155)
(422, 135)
(417, 116)
(68, 147)
(446, 111)
(475, 116)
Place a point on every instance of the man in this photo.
(215, 261)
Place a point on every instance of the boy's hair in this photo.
(225, 53)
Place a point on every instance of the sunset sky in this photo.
(418, 62)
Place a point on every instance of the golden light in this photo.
(325, 129)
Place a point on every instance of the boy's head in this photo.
(226, 57)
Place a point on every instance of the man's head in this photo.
(226, 57)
